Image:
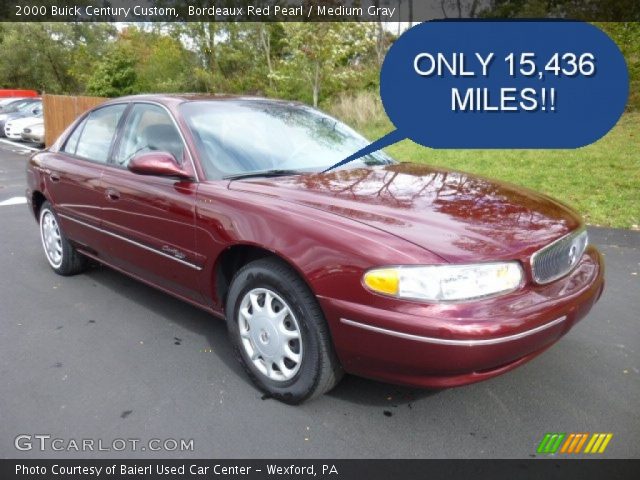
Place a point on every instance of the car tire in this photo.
(63, 258)
(279, 333)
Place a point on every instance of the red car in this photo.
(17, 92)
(396, 271)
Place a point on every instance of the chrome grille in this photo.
(559, 258)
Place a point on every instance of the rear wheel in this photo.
(62, 256)
(279, 333)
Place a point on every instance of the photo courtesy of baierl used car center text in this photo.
(341, 239)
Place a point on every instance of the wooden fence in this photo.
(61, 110)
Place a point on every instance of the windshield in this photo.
(17, 106)
(33, 107)
(237, 137)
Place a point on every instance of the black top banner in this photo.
(310, 10)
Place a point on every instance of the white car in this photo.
(13, 128)
(34, 133)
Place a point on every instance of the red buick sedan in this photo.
(401, 272)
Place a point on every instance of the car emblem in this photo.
(573, 252)
(173, 251)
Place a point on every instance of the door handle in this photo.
(54, 177)
(112, 194)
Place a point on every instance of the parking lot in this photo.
(101, 356)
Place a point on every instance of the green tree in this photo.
(162, 63)
(167, 67)
(326, 54)
(50, 56)
(115, 75)
(627, 37)
(89, 42)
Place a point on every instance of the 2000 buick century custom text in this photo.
(395, 271)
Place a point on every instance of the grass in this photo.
(601, 181)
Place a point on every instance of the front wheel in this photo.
(62, 256)
(279, 333)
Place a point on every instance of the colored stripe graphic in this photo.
(567, 443)
(543, 443)
(574, 443)
(606, 442)
(551, 442)
(581, 443)
(598, 442)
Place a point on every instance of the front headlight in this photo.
(445, 283)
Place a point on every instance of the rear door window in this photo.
(72, 142)
(92, 139)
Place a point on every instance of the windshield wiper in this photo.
(263, 173)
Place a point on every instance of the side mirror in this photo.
(161, 164)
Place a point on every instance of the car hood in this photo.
(35, 127)
(7, 117)
(24, 121)
(460, 217)
(18, 115)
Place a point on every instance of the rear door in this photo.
(73, 176)
(151, 219)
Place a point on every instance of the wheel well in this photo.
(232, 260)
(37, 200)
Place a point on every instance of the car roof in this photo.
(18, 100)
(6, 100)
(177, 99)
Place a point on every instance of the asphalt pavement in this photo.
(100, 356)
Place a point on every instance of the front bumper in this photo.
(32, 137)
(12, 133)
(445, 345)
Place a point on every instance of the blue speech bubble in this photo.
(501, 84)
